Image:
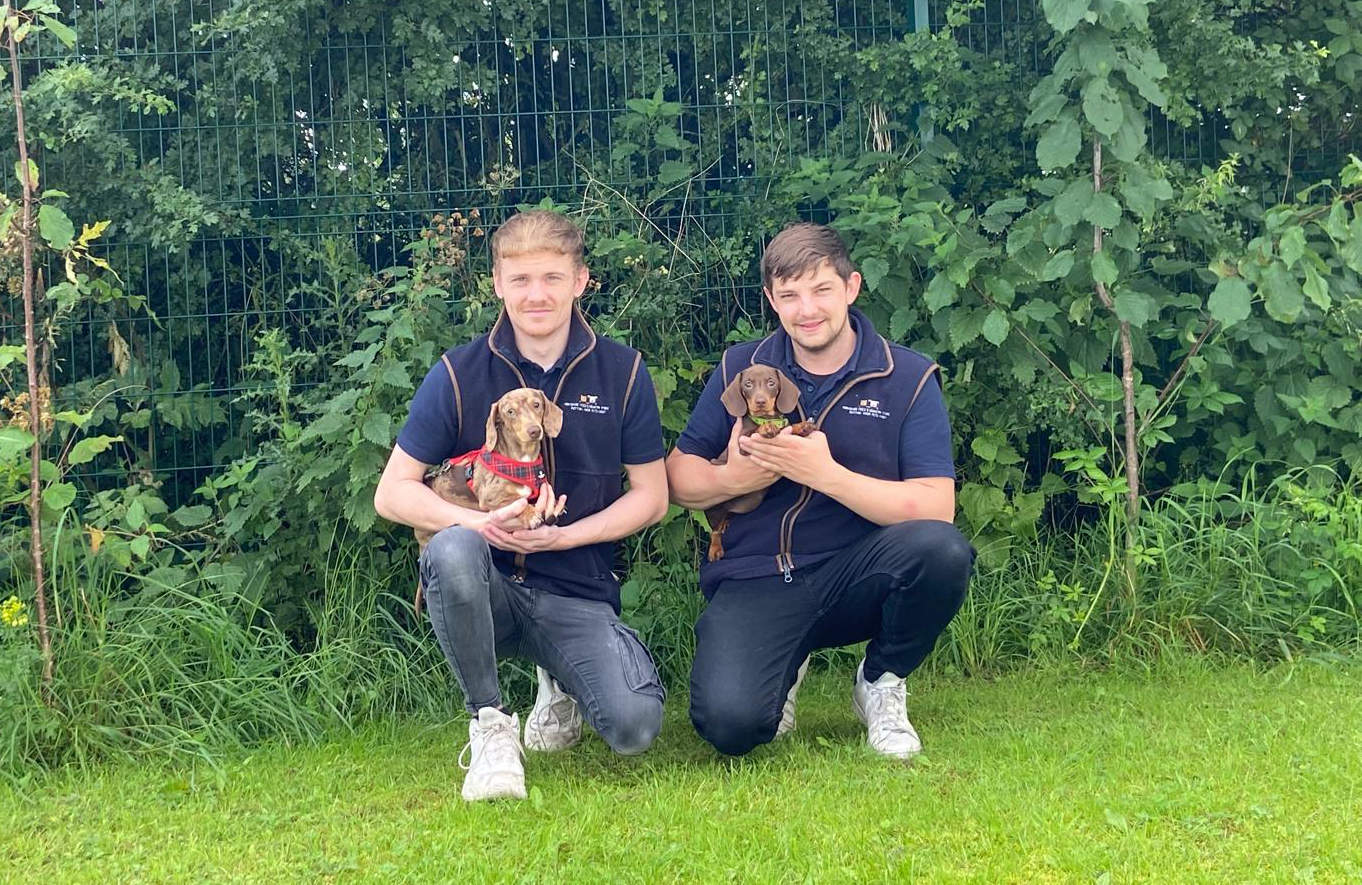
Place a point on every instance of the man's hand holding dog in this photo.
(504, 528)
(741, 473)
(802, 459)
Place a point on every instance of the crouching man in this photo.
(546, 594)
(853, 540)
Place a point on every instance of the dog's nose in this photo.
(536, 432)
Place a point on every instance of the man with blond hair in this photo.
(547, 594)
(853, 540)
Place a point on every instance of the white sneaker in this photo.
(787, 713)
(555, 722)
(883, 707)
(496, 768)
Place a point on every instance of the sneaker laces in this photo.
(888, 713)
(557, 713)
(498, 741)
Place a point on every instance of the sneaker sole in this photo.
(504, 787)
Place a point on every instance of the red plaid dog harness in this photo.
(525, 473)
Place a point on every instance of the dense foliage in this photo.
(1128, 230)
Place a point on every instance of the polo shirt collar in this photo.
(581, 338)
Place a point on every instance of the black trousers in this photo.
(898, 587)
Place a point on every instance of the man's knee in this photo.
(631, 728)
(456, 565)
(943, 555)
(732, 724)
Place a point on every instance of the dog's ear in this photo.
(553, 417)
(788, 398)
(732, 397)
(490, 442)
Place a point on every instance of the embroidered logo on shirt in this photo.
(587, 402)
(869, 408)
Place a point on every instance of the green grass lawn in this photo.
(1182, 773)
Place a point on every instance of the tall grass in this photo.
(185, 663)
(1265, 570)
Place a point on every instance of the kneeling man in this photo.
(494, 589)
(853, 540)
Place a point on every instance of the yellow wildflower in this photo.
(12, 613)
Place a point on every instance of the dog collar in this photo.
(777, 422)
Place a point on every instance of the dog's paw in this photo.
(768, 431)
(803, 428)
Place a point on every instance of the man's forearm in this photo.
(412, 503)
(637, 508)
(694, 483)
(885, 501)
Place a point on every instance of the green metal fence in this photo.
(301, 133)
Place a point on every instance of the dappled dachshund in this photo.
(508, 466)
(761, 396)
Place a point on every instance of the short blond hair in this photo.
(538, 230)
(800, 248)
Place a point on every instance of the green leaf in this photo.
(1064, 15)
(1284, 300)
(671, 172)
(1096, 52)
(1143, 192)
(85, 451)
(940, 292)
(1135, 308)
(996, 328)
(1103, 211)
(32, 173)
(874, 269)
(902, 322)
(1292, 245)
(189, 517)
(396, 375)
(1072, 201)
(1103, 268)
(1046, 109)
(1058, 145)
(1102, 106)
(377, 429)
(1058, 266)
(136, 516)
(63, 33)
(1141, 79)
(965, 327)
(58, 495)
(14, 442)
(1230, 301)
(55, 227)
(1317, 288)
(1130, 137)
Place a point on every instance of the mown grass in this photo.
(1183, 771)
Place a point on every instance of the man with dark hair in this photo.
(493, 588)
(853, 540)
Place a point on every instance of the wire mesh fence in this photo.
(269, 153)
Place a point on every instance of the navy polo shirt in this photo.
(432, 429)
(924, 439)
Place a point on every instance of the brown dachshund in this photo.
(761, 396)
(507, 467)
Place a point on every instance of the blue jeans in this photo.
(898, 587)
(479, 615)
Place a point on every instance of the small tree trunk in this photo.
(1132, 454)
(35, 417)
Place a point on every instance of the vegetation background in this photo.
(1128, 230)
